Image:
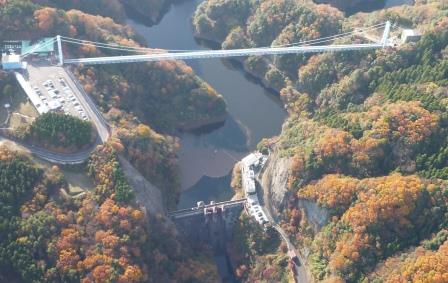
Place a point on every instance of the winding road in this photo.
(302, 274)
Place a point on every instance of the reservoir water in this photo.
(206, 159)
(376, 5)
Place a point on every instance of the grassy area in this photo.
(23, 110)
(77, 180)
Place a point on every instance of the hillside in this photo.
(151, 10)
(358, 173)
(100, 236)
(166, 96)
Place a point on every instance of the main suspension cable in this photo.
(146, 50)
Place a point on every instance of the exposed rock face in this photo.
(316, 216)
(146, 193)
(275, 181)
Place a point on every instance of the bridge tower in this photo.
(60, 54)
(384, 40)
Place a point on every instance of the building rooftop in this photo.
(251, 159)
(10, 58)
(410, 32)
(11, 45)
(41, 46)
(12, 62)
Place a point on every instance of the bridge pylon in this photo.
(384, 40)
(60, 54)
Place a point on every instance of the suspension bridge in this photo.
(310, 46)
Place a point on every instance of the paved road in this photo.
(301, 271)
(302, 274)
(91, 110)
(89, 106)
(54, 157)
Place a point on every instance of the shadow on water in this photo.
(231, 135)
(254, 112)
(218, 189)
(207, 155)
(374, 5)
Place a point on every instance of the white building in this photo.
(249, 164)
(257, 212)
(11, 62)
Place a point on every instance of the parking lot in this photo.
(55, 92)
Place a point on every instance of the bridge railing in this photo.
(200, 209)
(221, 53)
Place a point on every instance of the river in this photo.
(207, 158)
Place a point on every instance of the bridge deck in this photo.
(221, 53)
(197, 210)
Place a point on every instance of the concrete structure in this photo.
(249, 165)
(211, 224)
(410, 35)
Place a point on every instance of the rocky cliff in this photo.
(146, 193)
(274, 179)
(316, 216)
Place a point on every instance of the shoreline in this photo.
(213, 43)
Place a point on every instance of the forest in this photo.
(164, 96)
(365, 143)
(102, 236)
(60, 130)
(152, 10)
(365, 139)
